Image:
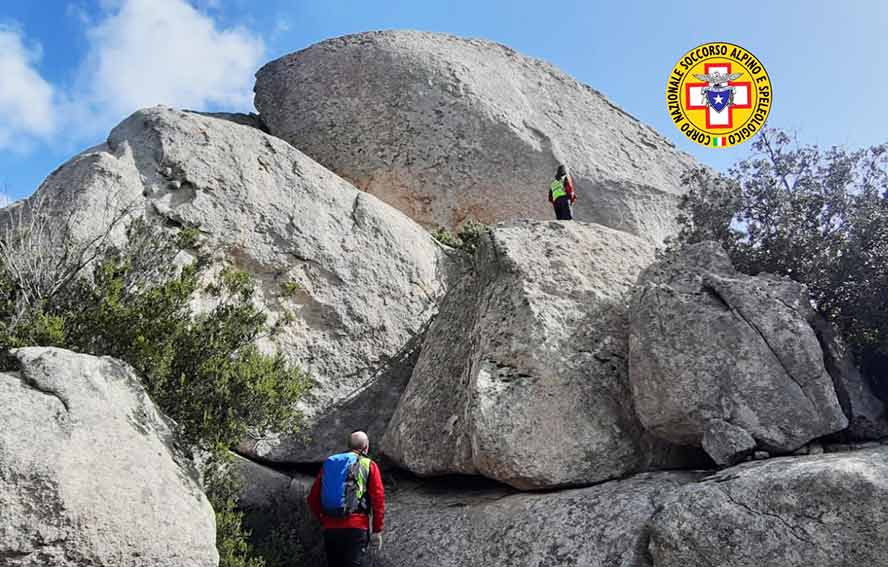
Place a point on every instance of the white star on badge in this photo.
(718, 99)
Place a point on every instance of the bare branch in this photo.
(40, 252)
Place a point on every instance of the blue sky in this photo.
(71, 69)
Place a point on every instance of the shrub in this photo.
(470, 233)
(133, 303)
(289, 289)
(188, 238)
(817, 216)
(232, 539)
(466, 239)
(446, 237)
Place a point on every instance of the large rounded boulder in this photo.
(447, 129)
(727, 361)
(90, 473)
(352, 281)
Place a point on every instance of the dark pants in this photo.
(562, 209)
(346, 547)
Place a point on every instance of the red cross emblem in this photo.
(724, 119)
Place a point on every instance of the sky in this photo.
(72, 69)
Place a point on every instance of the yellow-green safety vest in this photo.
(557, 189)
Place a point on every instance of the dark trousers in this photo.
(562, 209)
(346, 547)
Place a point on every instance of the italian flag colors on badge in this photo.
(718, 141)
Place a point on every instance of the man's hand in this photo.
(376, 542)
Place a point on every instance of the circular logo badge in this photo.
(718, 95)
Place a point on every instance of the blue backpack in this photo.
(344, 485)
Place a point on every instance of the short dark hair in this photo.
(561, 171)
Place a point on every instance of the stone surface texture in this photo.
(89, 473)
(708, 343)
(275, 509)
(815, 511)
(365, 279)
(727, 444)
(446, 129)
(475, 523)
(522, 377)
(866, 413)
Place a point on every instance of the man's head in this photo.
(561, 171)
(358, 441)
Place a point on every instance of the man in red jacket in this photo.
(346, 538)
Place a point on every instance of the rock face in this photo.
(817, 511)
(276, 512)
(464, 523)
(710, 345)
(600, 526)
(522, 376)
(88, 471)
(727, 444)
(363, 279)
(866, 413)
(814, 511)
(445, 129)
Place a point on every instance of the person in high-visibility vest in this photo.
(562, 195)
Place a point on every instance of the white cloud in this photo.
(26, 100)
(148, 52)
(140, 53)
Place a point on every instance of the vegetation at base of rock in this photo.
(236, 545)
(819, 216)
(466, 238)
(133, 303)
(446, 237)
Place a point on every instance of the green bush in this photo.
(133, 303)
(289, 289)
(817, 216)
(470, 233)
(466, 238)
(232, 539)
(446, 237)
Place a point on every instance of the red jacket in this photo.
(568, 188)
(376, 494)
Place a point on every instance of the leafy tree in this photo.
(818, 216)
(133, 302)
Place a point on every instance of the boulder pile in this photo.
(522, 377)
(564, 395)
